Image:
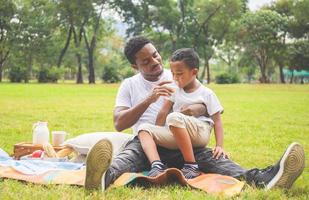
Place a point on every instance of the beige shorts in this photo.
(198, 130)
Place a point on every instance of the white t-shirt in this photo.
(201, 95)
(134, 90)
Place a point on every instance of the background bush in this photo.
(49, 74)
(17, 74)
(227, 78)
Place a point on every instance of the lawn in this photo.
(260, 121)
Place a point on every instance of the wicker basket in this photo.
(25, 148)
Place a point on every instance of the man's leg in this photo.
(207, 164)
(98, 160)
(283, 174)
(130, 159)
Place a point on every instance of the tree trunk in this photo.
(90, 49)
(77, 40)
(79, 75)
(263, 78)
(208, 71)
(281, 72)
(29, 69)
(262, 61)
(292, 77)
(1, 69)
(92, 46)
(3, 58)
(91, 68)
(205, 68)
(67, 43)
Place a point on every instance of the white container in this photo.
(40, 133)
(58, 137)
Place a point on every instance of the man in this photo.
(138, 101)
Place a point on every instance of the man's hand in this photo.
(160, 90)
(195, 110)
(217, 152)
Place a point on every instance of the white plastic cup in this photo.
(58, 137)
(172, 86)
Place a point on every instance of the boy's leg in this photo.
(150, 149)
(184, 131)
(184, 143)
(150, 135)
(149, 146)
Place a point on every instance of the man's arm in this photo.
(125, 117)
(166, 108)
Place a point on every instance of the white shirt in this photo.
(201, 95)
(134, 90)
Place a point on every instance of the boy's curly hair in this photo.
(133, 46)
(188, 56)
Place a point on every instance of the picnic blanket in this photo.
(210, 183)
(47, 172)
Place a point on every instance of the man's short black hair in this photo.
(188, 56)
(133, 46)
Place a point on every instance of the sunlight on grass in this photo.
(259, 123)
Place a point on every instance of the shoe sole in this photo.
(97, 162)
(292, 165)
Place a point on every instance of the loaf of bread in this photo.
(49, 151)
(64, 152)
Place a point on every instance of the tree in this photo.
(32, 40)
(284, 8)
(260, 32)
(210, 26)
(7, 30)
(82, 22)
(94, 27)
(198, 24)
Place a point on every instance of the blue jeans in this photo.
(133, 159)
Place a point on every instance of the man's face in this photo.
(148, 62)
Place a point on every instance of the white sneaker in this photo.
(97, 162)
(290, 167)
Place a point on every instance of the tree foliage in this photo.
(76, 36)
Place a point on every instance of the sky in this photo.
(256, 4)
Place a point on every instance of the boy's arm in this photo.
(218, 128)
(195, 110)
(125, 117)
(166, 108)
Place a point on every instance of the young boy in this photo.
(183, 131)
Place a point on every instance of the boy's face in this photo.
(182, 74)
(148, 62)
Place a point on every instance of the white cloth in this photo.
(83, 143)
(134, 90)
(201, 95)
(36, 167)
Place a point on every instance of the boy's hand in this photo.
(217, 152)
(195, 110)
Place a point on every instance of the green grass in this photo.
(259, 122)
